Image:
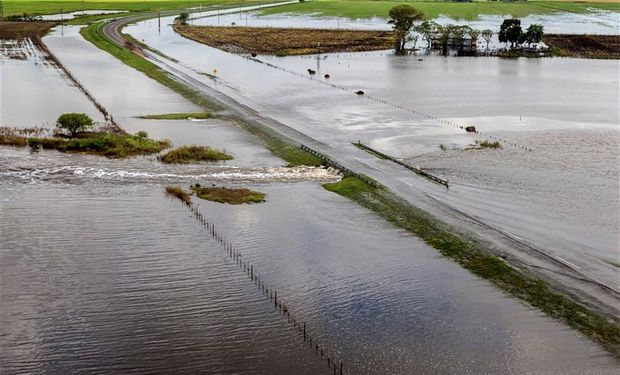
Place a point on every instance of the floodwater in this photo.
(523, 97)
(145, 289)
(594, 22)
(100, 272)
(77, 13)
(34, 92)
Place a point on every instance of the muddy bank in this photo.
(285, 41)
(19, 30)
(585, 46)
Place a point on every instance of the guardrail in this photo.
(400, 162)
(342, 169)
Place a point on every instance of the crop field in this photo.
(464, 11)
(54, 6)
(279, 41)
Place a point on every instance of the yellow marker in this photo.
(214, 72)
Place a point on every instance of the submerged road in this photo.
(599, 293)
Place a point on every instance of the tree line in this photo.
(405, 19)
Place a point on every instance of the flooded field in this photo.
(596, 22)
(146, 289)
(500, 97)
(34, 92)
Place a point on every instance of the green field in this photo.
(465, 11)
(54, 6)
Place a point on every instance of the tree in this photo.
(445, 32)
(74, 122)
(458, 33)
(487, 35)
(427, 29)
(182, 18)
(402, 18)
(473, 35)
(510, 31)
(534, 34)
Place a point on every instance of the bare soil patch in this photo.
(283, 42)
(586, 46)
(19, 30)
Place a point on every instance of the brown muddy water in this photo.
(101, 273)
(512, 99)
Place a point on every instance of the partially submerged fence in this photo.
(403, 108)
(320, 349)
(78, 84)
(342, 169)
(406, 165)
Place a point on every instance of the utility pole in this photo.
(1, 11)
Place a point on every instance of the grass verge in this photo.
(179, 193)
(464, 251)
(93, 34)
(230, 196)
(189, 154)
(291, 153)
(177, 116)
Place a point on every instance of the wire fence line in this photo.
(319, 348)
(100, 107)
(386, 102)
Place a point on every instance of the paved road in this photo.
(599, 293)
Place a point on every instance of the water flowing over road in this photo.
(100, 272)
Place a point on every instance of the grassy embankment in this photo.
(286, 42)
(465, 251)
(462, 11)
(191, 154)
(177, 116)
(289, 152)
(114, 146)
(228, 195)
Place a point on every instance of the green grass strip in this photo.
(464, 251)
(177, 116)
(291, 153)
(94, 34)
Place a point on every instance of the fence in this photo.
(301, 327)
(79, 85)
(400, 162)
(380, 100)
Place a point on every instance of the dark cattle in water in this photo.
(360, 92)
(326, 75)
(253, 55)
(470, 129)
(312, 72)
